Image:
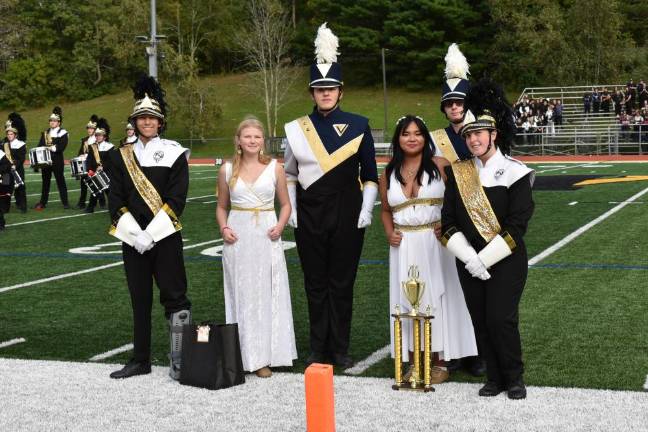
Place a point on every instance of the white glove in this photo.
(477, 268)
(143, 241)
(369, 194)
(53, 148)
(292, 194)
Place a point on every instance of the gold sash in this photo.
(442, 140)
(327, 161)
(475, 200)
(143, 185)
(7, 150)
(95, 150)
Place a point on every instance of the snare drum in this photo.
(98, 183)
(18, 181)
(40, 157)
(78, 166)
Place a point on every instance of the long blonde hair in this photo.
(236, 159)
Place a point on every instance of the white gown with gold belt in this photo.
(452, 331)
(257, 295)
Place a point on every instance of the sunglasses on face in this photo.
(451, 102)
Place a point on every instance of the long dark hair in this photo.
(427, 164)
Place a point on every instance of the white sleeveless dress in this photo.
(452, 331)
(257, 295)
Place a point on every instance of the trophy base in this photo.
(408, 386)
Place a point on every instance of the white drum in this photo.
(40, 157)
(78, 166)
(97, 183)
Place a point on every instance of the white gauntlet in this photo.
(369, 194)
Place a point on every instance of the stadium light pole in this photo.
(152, 43)
(384, 76)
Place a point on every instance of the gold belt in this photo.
(423, 227)
(417, 201)
(254, 210)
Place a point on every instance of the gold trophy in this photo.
(413, 289)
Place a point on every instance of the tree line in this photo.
(78, 49)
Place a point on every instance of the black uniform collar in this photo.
(334, 113)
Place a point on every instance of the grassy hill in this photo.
(237, 102)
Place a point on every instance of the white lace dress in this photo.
(452, 331)
(257, 295)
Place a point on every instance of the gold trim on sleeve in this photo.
(325, 160)
(442, 140)
(113, 227)
(143, 185)
(475, 200)
(510, 242)
(174, 219)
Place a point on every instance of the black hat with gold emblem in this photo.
(92, 123)
(326, 72)
(16, 124)
(149, 100)
(487, 108)
(103, 128)
(57, 114)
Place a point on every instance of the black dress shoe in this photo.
(39, 206)
(342, 360)
(453, 365)
(89, 210)
(491, 388)
(477, 367)
(132, 368)
(66, 206)
(81, 206)
(517, 390)
(315, 357)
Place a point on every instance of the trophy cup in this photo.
(413, 289)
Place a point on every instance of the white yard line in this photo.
(202, 196)
(562, 168)
(56, 218)
(209, 202)
(545, 253)
(365, 364)
(11, 342)
(89, 270)
(573, 203)
(205, 178)
(374, 358)
(107, 354)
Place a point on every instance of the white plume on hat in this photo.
(326, 45)
(456, 63)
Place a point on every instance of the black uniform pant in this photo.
(329, 246)
(102, 199)
(165, 264)
(493, 307)
(21, 192)
(57, 170)
(5, 202)
(84, 192)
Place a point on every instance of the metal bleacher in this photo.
(580, 133)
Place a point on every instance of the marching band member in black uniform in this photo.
(99, 154)
(83, 150)
(16, 150)
(327, 152)
(6, 187)
(148, 192)
(130, 137)
(56, 139)
(452, 146)
(486, 209)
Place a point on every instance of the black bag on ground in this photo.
(211, 360)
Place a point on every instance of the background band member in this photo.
(148, 192)
(6, 187)
(487, 207)
(130, 137)
(451, 145)
(56, 139)
(15, 149)
(327, 152)
(99, 159)
(83, 150)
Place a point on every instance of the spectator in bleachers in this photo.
(631, 89)
(596, 101)
(587, 102)
(642, 93)
(624, 120)
(618, 98)
(551, 129)
(558, 113)
(629, 103)
(606, 100)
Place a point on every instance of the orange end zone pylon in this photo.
(320, 406)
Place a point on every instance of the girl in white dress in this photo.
(411, 190)
(257, 296)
